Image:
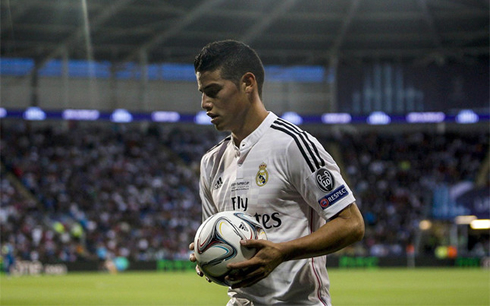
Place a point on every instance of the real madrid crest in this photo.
(262, 175)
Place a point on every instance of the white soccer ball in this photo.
(217, 243)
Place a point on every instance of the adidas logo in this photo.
(218, 183)
(243, 227)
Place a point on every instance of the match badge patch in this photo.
(262, 175)
(324, 180)
(333, 197)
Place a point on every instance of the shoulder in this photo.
(299, 143)
(284, 131)
(216, 149)
(290, 129)
(292, 134)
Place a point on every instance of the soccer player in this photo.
(271, 169)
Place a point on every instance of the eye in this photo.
(212, 90)
(212, 93)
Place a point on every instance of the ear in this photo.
(249, 82)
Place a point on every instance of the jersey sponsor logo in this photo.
(333, 197)
(269, 221)
(239, 203)
(324, 179)
(262, 175)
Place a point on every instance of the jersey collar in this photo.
(248, 142)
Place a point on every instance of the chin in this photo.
(221, 126)
(218, 127)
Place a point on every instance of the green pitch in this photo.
(349, 287)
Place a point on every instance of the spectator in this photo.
(134, 192)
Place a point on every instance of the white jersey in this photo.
(283, 177)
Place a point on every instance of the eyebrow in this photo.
(209, 86)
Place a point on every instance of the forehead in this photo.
(206, 78)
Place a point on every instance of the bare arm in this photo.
(344, 229)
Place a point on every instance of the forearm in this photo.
(346, 228)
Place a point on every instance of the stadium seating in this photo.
(93, 191)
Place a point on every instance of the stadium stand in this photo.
(394, 176)
(74, 192)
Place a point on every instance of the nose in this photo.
(205, 102)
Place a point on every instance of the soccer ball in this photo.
(217, 243)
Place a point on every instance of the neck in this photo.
(249, 125)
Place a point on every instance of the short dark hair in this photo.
(234, 58)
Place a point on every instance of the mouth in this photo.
(212, 116)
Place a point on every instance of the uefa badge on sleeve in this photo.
(333, 197)
(325, 180)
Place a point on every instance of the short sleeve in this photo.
(317, 177)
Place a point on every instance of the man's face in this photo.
(224, 102)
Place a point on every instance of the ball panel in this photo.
(217, 243)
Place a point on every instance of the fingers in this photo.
(198, 271)
(249, 272)
(254, 261)
(192, 257)
(253, 243)
(247, 279)
(201, 274)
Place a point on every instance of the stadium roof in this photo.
(284, 32)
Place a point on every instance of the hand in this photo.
(192, 258)
(269, 255)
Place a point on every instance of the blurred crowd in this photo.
(96, 191)
(101, 191)
(394, 176)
